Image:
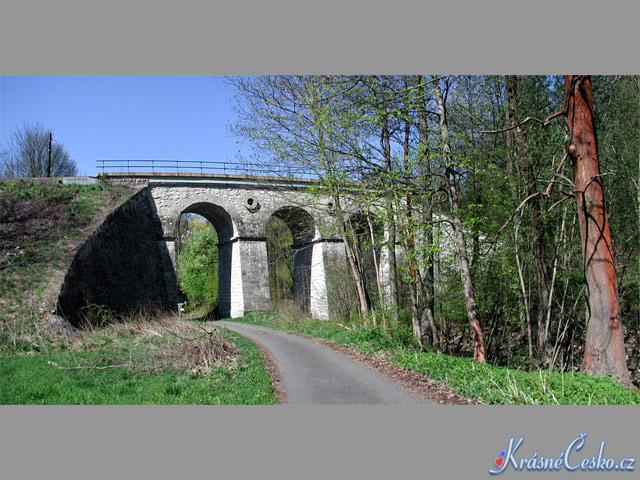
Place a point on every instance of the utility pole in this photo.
(49, 163)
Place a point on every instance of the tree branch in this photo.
(526, 120)
(547, 193)
(520, 207)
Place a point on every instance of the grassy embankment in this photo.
(41, 227)
(137, 361)
(487, 383)
(156, 361)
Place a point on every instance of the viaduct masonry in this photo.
(129, 261)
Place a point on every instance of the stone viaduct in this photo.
(142, 236)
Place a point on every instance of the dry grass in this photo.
(199, 348)
(168, 341)
(203, 353)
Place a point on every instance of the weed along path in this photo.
(313, 374)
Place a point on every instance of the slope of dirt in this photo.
(42, 226)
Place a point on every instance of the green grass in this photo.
(80, 201)
(138, 376)
(502, 386)
(121, 363)
(489, 384)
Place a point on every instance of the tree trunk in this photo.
(416, 318)
(376, 265)
(511, 104)
(346, 233)
(428, 324)
(604, 347)
(385, 142)
(461, 248)
(542, 269)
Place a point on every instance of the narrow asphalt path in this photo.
(313, 374)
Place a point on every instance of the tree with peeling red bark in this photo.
(604, 347)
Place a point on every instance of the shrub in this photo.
(197, 265)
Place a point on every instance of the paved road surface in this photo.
(313, 374)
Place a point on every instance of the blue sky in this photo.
(124, 117)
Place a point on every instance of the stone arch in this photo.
(230, 294)
(303, 230)
(216, 215)
(300, 222)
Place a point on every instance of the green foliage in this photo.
(499, 385)
(280, 258)
(197, 265)
(488, 383)
(370, 144)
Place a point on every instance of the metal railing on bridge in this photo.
(203, 167)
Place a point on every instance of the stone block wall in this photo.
(255, 274)
(123, 266)
(338, 280)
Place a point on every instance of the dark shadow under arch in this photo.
(303, 230)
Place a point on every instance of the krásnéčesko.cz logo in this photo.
(569, 459)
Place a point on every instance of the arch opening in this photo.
(216, 215)
(204, 251)
(290, 235)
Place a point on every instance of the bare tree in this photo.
(32, 153)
